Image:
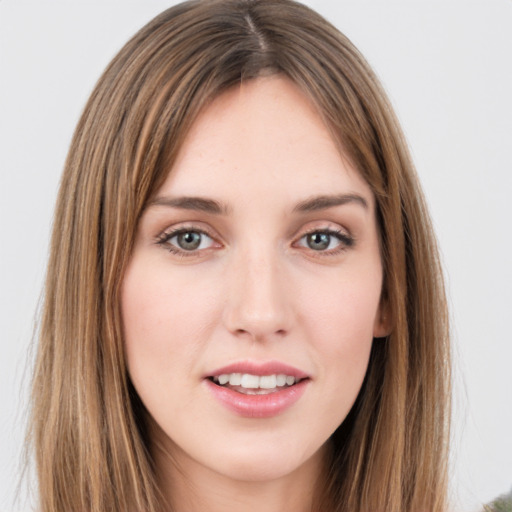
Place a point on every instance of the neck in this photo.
(188, 486)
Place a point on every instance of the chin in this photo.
(258, 471)
(265, 463)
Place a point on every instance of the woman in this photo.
(244, 306)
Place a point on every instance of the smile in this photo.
(249, 384)
(255, 390)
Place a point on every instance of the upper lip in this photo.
(259, 368)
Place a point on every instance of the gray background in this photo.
(447, 67)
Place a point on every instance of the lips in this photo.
(256, 368)
(257, 390)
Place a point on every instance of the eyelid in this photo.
(345, 238)
(170, 232)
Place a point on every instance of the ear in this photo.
(383, 325)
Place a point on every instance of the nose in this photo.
(258, 302)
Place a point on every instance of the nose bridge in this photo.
(257, 303)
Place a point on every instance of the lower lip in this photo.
(258, 406)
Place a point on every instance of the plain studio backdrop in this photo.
(447, 66)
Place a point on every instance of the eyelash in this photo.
(345, 240)
(164, 238)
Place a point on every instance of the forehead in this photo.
(263, 135)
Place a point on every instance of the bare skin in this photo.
(260, 248)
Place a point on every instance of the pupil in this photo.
(318, 241)
(189, 240)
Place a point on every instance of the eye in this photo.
(326, 240)
(186, 241)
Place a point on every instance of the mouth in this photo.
(251, 384)
(257, 390)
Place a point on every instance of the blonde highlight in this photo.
(88, 430)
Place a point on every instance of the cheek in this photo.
(343, 310)
(166, 319)
(341, 320)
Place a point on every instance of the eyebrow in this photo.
(192, 203)
(327, 201)
(312, 204)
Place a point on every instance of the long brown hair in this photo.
(87, 428)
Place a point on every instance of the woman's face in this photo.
(252, 296)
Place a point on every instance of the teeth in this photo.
(248, 381)
(281, 380)
(223, 379)
(235, 379)
(268, 381)
(290, 380)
